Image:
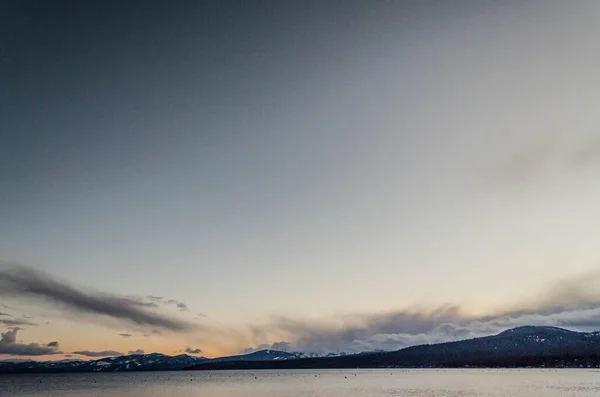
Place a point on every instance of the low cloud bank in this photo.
(573, 303)
(10, 346)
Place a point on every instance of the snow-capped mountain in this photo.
(261, 355)
(36, 366)
(528, 346)
(522, 346)
(142, 362)
(266, 355)
(137, 362)
(316, 355)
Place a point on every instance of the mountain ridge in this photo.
(526, 346)
(138, 362)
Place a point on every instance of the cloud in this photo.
(4, 314)
(575, 293)
(9, 346)
(11, 335)
(279, 346)
(16, 323)
(180, 305)
(189, 350)
(26, 282)
(572, 303)
(526, 163)
(587, 155)
(322, 338)
(394, 331)
(159, 299)
(140, 302)
(138, 351)
(105, 353)
(549, 154)
(248, 350)
(125, 335)
(153, 332)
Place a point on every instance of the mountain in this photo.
(517, 347)
(527, 346)
(136, 362)
(267, 355)
(261, 355)
(29, 366)
(333, 354)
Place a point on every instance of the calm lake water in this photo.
(306, 383)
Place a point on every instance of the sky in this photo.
(220, 177)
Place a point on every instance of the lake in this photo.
(312, 383)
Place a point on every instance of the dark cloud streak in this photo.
(22, 281)
(105, 353)
(154, 332)
(14, 323)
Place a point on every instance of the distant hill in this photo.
(528, 346)
(136, 362)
